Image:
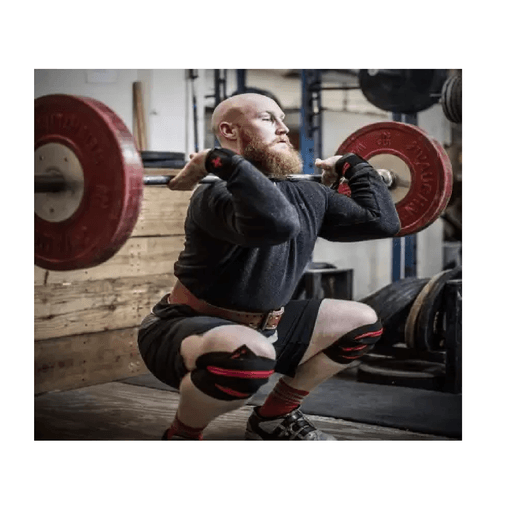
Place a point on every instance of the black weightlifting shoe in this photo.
(293, 426)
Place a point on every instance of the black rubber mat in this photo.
(417, 410)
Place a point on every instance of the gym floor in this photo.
(121, 410)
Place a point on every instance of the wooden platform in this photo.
(121, 411)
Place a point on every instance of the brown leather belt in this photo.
(181, 295)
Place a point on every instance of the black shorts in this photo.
(161, 334)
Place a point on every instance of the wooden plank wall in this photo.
(85, 321)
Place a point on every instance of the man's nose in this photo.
(281, 127)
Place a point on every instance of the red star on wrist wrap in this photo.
(217, 162)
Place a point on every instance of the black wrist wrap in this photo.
(219, 161)
(347, 163)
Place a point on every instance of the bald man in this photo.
(229, 322)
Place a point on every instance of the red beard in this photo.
(271, 161)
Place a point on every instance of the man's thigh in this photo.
(160, 340)
(294, 334)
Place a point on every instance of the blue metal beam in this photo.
(397, 259)
(311, 119)
(406, 266)
(241, 75)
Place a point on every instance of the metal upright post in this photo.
(311, 119)
(192, 76)
(453, 310)
(397, 259)
(219, 78)
(241, 75)
(220, 85)
(216, 85)
(404, 266)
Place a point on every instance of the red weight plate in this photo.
(430, 173)
(449, 175)
(113, 182)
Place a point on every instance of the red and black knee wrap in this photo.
(231, 376)
(354, 344)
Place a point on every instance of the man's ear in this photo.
(228, 130)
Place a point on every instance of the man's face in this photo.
(264, 140)
(276, 159)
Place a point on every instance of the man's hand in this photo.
(193, 172)
(331, 177)
(329, 174)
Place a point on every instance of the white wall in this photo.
(371, 262)
(429, 249)
(338, 126)
(167, 114)
(434, 122)
(164, 93)
(112, 87)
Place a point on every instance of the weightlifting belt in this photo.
(181, 295)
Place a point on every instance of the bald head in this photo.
(235, 113)
(252, 125)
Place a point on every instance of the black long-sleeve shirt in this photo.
(248, 239)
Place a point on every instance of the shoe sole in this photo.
(252, 436)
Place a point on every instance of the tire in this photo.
(392, 304)
(405, 373)
(430, 329)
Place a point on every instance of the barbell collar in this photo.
(387, 176)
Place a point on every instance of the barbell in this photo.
(89, 178)
(54, 181)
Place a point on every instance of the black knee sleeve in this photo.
(231, 376)
(354, 344)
